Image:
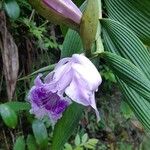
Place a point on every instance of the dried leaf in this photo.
(9, 52)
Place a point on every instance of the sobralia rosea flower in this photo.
(74, 78)
(59, 11)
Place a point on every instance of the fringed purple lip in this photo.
(66, 8)
(48, 100)
(45, 101)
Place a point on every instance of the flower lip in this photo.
(46, 99)
(47, 102)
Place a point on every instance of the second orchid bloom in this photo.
(59, 12)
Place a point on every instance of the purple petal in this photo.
(49, 78)
(37, 111)
(45, 102)
(65, 7)
(38, 81)
(63, 62)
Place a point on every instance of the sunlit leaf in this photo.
(8, 115)
(77, 140)
(84, 138)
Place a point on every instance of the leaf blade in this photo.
(19, 144)
(112, 40)
(9, 116)
(134, 14)
(40, 133)
(66, 125)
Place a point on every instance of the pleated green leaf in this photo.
(138, 104)
(129, 73)
(133, 13)
(72, 44)
(78, 2)
(122, 41)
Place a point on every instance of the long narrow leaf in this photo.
(138, 104)
(133, 13)
(129, 73)
(122, 41)
(66, 125)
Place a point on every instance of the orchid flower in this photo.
(74, 78)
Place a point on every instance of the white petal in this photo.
(59, 70)
(78, 93)
(93, 104)
(89, 74)
(81, 59)
(62, 62)
(64, 81)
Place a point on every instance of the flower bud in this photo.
(59, 11)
